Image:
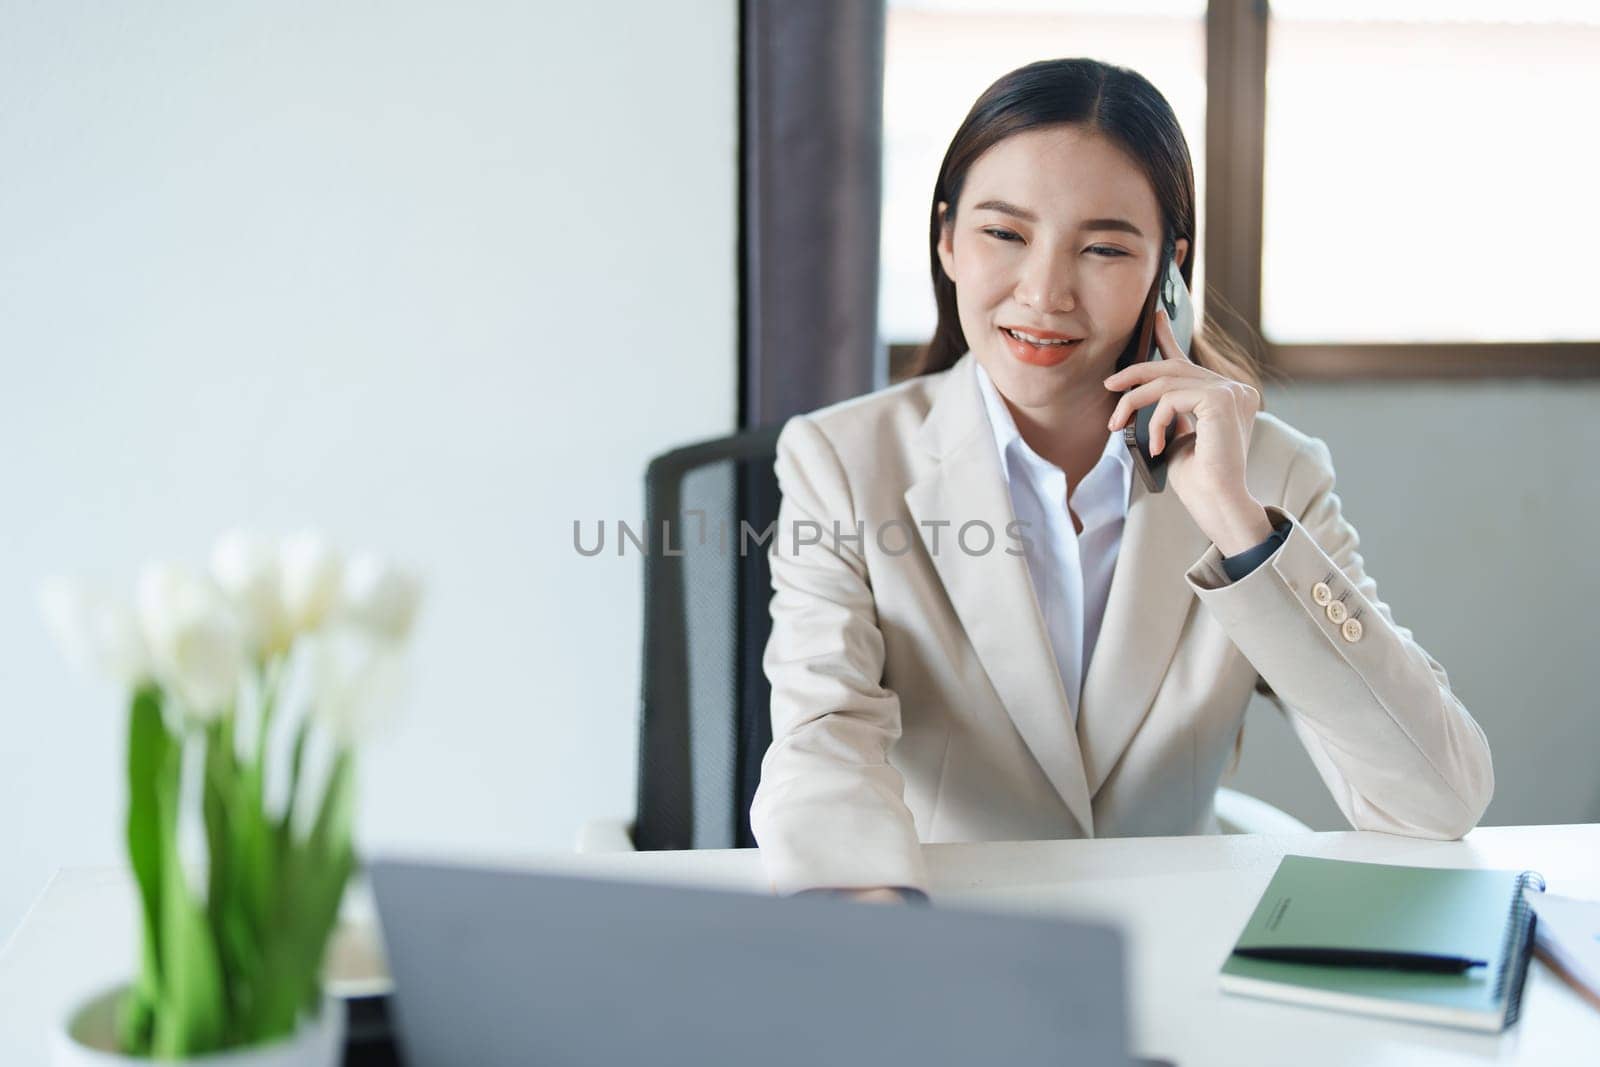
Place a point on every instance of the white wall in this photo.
(437, 278)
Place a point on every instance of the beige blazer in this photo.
(915, 697)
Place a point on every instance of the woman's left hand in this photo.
(1215, 416)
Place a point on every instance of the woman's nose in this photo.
(1045, 285)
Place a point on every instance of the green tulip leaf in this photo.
(152, 755)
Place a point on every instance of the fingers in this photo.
(1151, 392)
(1175, 361)
(1238, 397)
(1175, 402)
(1163, 368)
(1166, 340)
(878, 896)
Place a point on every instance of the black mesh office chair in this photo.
(704, 718)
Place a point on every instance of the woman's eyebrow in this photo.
(1088, 224)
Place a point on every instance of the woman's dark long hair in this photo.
(1121, 105)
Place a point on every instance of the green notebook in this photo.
(1320, 904)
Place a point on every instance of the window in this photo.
(1444, 192)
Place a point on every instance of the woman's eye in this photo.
(1104, 251)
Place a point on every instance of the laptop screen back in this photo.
(515, 967)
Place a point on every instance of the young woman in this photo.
(986, 628)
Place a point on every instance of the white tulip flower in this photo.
(381, 597)
(95, 631)
(356, 680)
(310, 571)
(245, 566)
(195, 639)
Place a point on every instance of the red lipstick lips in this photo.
(1039, 355)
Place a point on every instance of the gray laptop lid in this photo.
(515, 967)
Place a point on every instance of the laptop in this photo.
(522, 967)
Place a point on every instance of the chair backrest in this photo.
(705, 719)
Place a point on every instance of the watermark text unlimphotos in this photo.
(896, 537)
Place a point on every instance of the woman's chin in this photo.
(1027, 384)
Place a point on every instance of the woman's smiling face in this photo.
(1056, 234)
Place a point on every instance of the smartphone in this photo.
(1172, 294)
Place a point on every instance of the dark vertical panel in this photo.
(758, 498)
(810, 190)
(1236, 112)
(812, 127)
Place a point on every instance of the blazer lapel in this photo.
(991, 592)
(1148, 604)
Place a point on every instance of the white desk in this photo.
(1181, 901)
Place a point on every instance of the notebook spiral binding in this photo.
(1519, 946)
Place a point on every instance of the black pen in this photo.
(1342, 957)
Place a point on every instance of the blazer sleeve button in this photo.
(1351, 630)
(1321, 594)
(1336, 611)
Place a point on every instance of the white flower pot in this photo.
(87, 1038)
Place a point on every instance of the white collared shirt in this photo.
(1071, 572)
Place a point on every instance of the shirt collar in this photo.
(1008, 439)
